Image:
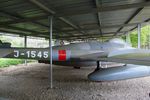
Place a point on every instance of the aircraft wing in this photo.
(129, 53)
(129, 56)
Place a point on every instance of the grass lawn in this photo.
(4, 62)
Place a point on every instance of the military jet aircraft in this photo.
(88, 53)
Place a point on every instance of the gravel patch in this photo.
(32, 83)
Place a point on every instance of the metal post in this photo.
(25, 45)
(126, 34)
(128, 40)
(50, 44)
(139, 36)
(148, 35)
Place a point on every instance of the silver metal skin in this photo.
(119, 73)
(75, 50)
(31, 53)
(111, 51)
(115, 50)
(139, 35)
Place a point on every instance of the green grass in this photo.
(7, 62)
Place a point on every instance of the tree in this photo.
(144, 36)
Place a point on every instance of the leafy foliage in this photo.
(6, 62)
(145, 36)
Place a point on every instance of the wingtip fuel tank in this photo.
(120, 73)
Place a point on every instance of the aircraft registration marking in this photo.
(22, 54)
(31, 54)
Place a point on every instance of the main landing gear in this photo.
(98, 65)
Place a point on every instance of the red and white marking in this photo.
(62, 55)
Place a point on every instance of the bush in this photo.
(4, 62)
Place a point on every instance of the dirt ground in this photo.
(32, 83)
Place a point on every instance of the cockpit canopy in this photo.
(117, 40)
(120, 41)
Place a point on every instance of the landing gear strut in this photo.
(98, 66)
